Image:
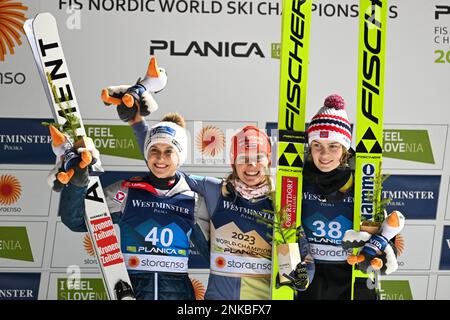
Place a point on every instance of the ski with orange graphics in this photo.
(43, 37)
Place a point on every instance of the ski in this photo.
(296, 24)
(43, 37)
(369, 113)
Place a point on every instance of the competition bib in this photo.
(325, 224)
(240, 242)
(155, 231)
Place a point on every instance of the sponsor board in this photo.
(25, 141)
(416, 196)
(76, 285)
(414, 146)
(415, 237)
(22, 244)
(19, 286)
(404, 287)
(442, 287)
(176, 7)
(447, 212)
(444, 263)
(116, 140)
(18, 195)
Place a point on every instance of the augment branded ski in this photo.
(296, 23)
(369, 113)
(43, 36)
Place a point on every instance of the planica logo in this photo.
(441, 10)
(206, 48)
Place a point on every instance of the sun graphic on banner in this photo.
(400, 244)
(220, 262)
(210, 141)
(88, 246)
(10, 189)
(199, 289)
(11, 25)
(134, 262)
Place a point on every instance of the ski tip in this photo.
(44, 16)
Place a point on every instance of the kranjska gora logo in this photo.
(10, 190)
(11, 26)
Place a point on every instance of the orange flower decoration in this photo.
(11, 25)
(399, 244)
(88, 246)
(210, 141)
(10, 189)
(199, 289)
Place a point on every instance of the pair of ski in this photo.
(296, 25)
(43, 37)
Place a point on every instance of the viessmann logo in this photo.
(240, 49)
(12, 20)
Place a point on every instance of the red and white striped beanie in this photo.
(331, 122)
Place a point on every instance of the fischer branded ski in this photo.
(43, 36)
(296, 24)
(369, 113)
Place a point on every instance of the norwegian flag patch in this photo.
(324, 134)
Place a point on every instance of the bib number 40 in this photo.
(164, 237)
